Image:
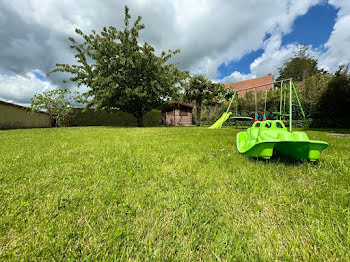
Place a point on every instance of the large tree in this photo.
(121, 73)
(201, 90)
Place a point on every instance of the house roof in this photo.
(181, 103)
(261, 83)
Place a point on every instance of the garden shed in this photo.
(177, 114)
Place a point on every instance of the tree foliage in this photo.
(300, 66)
(203, 91)
(311, 90)
(57, 103)
(121, 73)
(333, 105)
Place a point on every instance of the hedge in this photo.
(92, 117)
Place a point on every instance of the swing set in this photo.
(267, 137)
(283, 104)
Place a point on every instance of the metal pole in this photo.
(256, 105)
(301, 108)
(265, 100)
(254, 87)
(290, 106)
(234, 94)
(236, 104)
(281, 98)
(284, 100)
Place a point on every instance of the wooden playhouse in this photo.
(177, 114)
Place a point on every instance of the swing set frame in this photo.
(283, 103)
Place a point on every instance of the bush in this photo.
(333, 105)
(153, 118)
(91, 117)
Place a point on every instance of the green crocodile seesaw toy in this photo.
(265, 137)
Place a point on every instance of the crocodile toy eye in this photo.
(279, 125)
(268, 125)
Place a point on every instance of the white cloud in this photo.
(273, 57)
(336, 53)
(237, 76)
(338, 45)
(207, 32)
(22, 88)
(33, 33)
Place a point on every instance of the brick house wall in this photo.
(265, 80)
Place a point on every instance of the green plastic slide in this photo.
(221, 120)
(224, 116)
(265, 137)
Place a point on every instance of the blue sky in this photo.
(39, 76)
(314, 28)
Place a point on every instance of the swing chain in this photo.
(265, 100)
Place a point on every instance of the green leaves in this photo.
(202, 90)
(332, 106)
(121, 73)
(57, 102)
(300, 66)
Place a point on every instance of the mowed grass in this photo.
(102, 193)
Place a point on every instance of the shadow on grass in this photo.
(330, 130)
(129, 126)
(280, 159)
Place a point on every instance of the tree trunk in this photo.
(139, 119)
(199, 111)
(50, 114)
(68, 122)
(50, 120)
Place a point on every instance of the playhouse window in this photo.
(183, 113)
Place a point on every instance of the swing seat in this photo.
(242, 118)
(236, 119)
(279, 114)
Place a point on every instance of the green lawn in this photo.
(103, 193)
